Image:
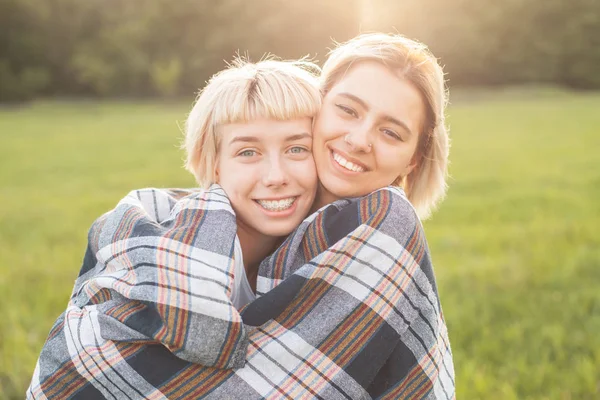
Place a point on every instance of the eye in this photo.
(392, 134)
(297, 150)
(347, 110)
(247, 153)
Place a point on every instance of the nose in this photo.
(359, 140)
(274, 173)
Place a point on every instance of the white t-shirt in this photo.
(242, 293)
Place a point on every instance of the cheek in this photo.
(394, 163)
(327, 125)
(389, 160)
(231, 180)
(306, 174)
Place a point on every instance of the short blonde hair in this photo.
(426, 184)
(272, 89)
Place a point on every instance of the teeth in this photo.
(277, 205)
(347, 164)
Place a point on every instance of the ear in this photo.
(216, 169)
(410, 167)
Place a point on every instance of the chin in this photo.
(342, 189)
(280, 231)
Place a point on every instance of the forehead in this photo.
(383, 91)
(265, 130)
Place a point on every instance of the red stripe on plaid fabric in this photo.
(315, 238)
(422, 376)
(95, 231)
(375, 207)
(126, 349)
(293, 380)
(417, 243)
(126, 225)
(311, 293)
(119, 246)
(280, 257)
(55, 331)
(67, 380)
(383, 297)
(381, 301)
(107, 355)
(182, 220)
(417, 246)
(311, 375)
(315, 288)
(193, 382)
(263, 334)
(91, 289)
(432, 362)
(123, 311)
(62, 384)
(347, 340)
(435, 355)
(99, 296)
(229, 345)
(197, 216)
(402, 273)
(307, 247)
(176, 318)
(188, 220)
(320, 281)
(173, 311)
(121, 233)
(415, 386)
(308, 367)
(393, 283)
(313, 243)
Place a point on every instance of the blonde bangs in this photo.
(274, 91)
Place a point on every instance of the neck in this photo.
(323, 198)
(255, 248)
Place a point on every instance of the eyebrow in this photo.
(248, 139)
(254, 139)
(387, 118)
(397, 122)
(298, 136)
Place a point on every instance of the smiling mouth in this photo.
(346, 164)
(277, 205)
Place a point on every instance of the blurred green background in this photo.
(141, 48)
(92, 95)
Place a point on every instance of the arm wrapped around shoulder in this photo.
(362, 307)
(158, 269)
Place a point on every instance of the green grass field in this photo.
(516, 244)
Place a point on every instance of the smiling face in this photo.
(267, 170)
(367, 132)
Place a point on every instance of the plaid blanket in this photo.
(347, 308)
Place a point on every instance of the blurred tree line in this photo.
(168, 48)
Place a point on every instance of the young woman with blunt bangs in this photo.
(166, 272)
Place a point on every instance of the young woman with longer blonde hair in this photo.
(362, 265)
